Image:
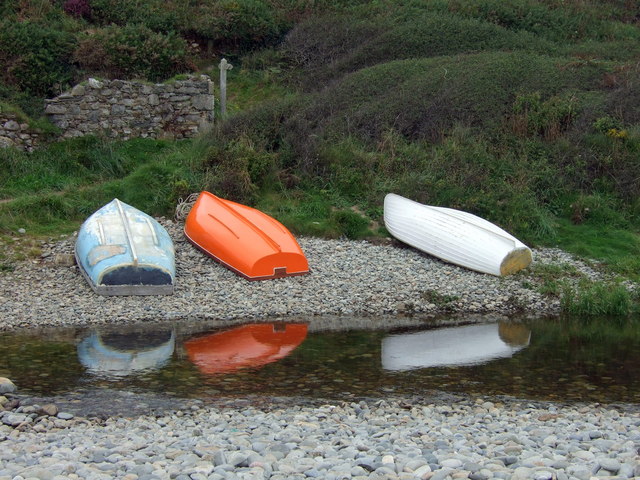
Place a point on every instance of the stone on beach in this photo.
(6, 386)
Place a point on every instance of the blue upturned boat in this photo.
(123, 251)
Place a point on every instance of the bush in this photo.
(623, 98)
(350, 224)
(330, 47)
(548, 118)
(237, 169)
(241, 24)
(78, 8)
(133, 51)
(424, 98)
(320, 41)
(571, 22)
(157, 15)
(36, 59)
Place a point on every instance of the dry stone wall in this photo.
(18, 134)
(123, 109)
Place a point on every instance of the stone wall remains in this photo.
(123, 109)
(18, 134)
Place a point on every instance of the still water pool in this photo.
(543, 359)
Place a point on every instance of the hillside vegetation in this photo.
(526, 113)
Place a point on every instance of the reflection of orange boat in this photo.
(243, 239)
(252, 345)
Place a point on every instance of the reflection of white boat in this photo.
(122, 354)
(455, 236)
(466, 345)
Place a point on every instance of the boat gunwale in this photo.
(125, 290)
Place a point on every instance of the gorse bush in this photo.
(158, 15)
(424, 98)
(78, 8)
(549, 118)
(133, 51)
(241, 23)
(571, 22)
(36, 59)
(328, 47)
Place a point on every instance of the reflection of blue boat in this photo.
(466, 345)
(123, 251)
(123, 354)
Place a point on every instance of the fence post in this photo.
(224, 66)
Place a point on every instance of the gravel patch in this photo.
(454, 438)
(346, 278)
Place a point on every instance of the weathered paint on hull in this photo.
(123, 251)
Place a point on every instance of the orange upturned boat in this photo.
(248, 346)
(243, 239)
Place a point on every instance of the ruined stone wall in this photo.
(18, 134)
(122, 109)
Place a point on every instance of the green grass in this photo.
(315, 212)
(591, 299)
(247, 88)
(56, 188)
(618, 248)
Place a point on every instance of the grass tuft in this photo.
(590, 298)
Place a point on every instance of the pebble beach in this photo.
(346, 278)
(440, 437)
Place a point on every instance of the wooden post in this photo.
(224, 66)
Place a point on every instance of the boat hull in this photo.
(455, 236)
(123, 251)
(243, 239)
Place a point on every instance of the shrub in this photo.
(329, 47)
(157, 15)
(36, 59)
(424, 98)
(572, 22)
(133, 51)
(320, 41)
(548, 118)
(237, 169)
(350, 224)
(241, 24)
(78, 8)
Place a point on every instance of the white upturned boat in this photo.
(455, 236)
(453, 346)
